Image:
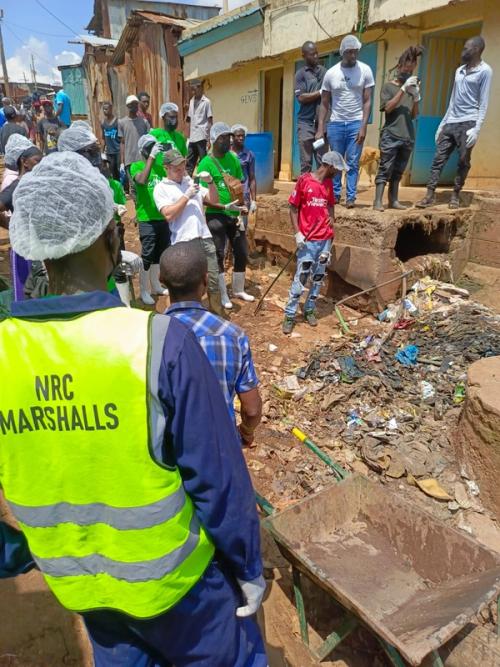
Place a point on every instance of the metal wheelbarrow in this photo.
(406, 576)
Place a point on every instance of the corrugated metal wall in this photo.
(74, 84)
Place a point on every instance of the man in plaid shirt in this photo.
(183, 269)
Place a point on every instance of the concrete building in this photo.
(250, 76)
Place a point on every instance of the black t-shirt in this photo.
(309, 80)
(49, 129)
(399, 121)
(7, 131)
(7, 194)
(110, 133)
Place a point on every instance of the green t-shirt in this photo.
(230, 164)
(145, 207)
(174, 137)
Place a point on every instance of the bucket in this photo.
(262, 146)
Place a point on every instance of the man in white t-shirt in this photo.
(347, 89)
(180, 201)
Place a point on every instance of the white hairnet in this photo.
(219, 129)
(349, 42)
(145, 140)
(168, 107)
(239, 126)
(16, 145)
(61, 207)
(78, 135)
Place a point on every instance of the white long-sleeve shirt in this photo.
(470, 95)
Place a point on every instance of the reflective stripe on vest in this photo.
(108, 526)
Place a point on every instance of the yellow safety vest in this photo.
(107, 525)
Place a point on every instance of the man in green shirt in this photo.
(223, 219)
(154, 232)
(168, 135)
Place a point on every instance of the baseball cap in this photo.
(45, 103)
(173, 157)
(335, 160)
(130, 99)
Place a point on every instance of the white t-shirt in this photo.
(191, 223)
(346, 85)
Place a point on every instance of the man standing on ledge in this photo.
(347, 90)
(308, 82)
(199, 121)
(462, 121)
(144, 520)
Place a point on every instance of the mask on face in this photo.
(403, 76)
(172, 124)
(225, 143)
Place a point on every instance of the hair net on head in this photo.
(239, 126)
(168, 107)
(61, 207)
(78, 135)
(145, 140)
(14, 148)
(219, 129)
(349, 42)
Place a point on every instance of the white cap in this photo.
(130, 99)
(16, 145)
(61, 207)
(349, 42)
(145, 140)
(218, 129)
(78, 135)
(239, 126)
(168, 107)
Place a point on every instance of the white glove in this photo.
(253, 206)
(233, 206)
(472, 136)
(409, 83)
(120, 209)
(205, 177)
(192, 190)
(122, 167)
(156, 150)
(300, 239)
(132, 260)
(253, 592)
(414, 91)
(240, 225)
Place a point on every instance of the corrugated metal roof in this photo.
(224, 19)
(169, 20)
(94, 41)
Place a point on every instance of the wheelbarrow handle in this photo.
(340, 472)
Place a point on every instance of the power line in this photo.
(40, 32)
(40, 4)
(23, 43)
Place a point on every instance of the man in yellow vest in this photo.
(118, 457)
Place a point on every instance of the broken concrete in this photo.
(478, 433)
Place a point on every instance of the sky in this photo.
(29, 29)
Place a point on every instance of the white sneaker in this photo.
(156, 286)
(226, 303)
(239, 287)
(146, 297)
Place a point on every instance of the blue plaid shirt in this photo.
(224, 343)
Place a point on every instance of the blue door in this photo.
(368, 55)
(437, 72)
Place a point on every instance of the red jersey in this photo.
(313, 199)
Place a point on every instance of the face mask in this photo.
(225, 144)
(403, 76)
(172, 124)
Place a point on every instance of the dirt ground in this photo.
(36, 632)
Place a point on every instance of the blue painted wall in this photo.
(73, 79)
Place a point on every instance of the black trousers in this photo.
(224, 227)
(453, 135)
(306, 135)
(114, 165)
(119, 274)
(155, 238)
(197, 151)
(394, 156)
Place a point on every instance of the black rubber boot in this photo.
(288, 324)
(393, 196)
(428, 200)
(379, 194)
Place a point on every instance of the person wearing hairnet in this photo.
(346, 94)
(79, 138)
(22, 155)
(144, 520)
(168, 135)
(223, 218)
(154, 231)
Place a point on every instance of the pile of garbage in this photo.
(386, 404)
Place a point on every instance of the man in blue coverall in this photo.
(159, 582)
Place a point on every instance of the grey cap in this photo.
(145, 141)
(218, 129)
(335, 160)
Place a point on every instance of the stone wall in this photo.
(485, 238)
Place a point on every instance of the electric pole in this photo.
(33, 71)
(4, 62)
